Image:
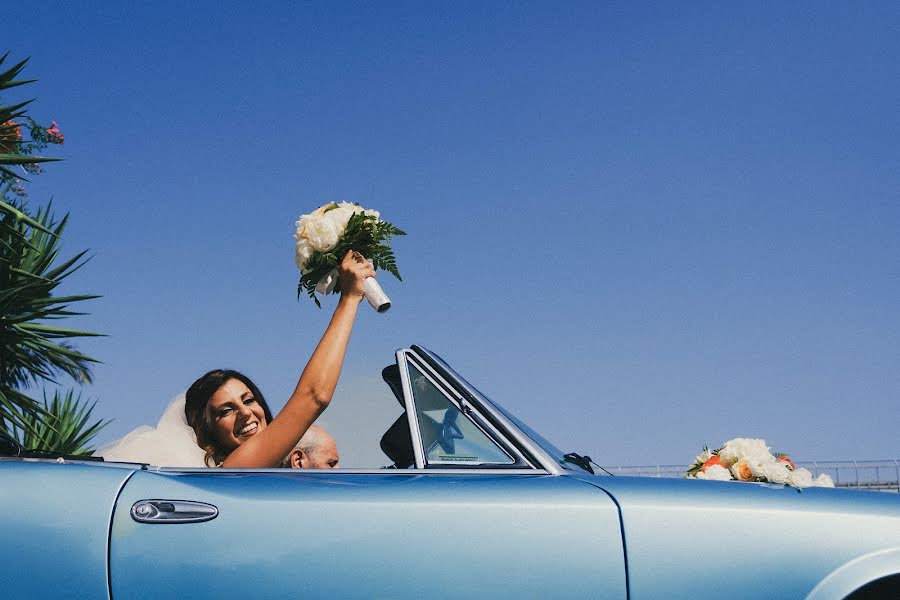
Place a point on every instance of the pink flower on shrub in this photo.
(54, 136)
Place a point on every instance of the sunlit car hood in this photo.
(693, 535)
(711, 495)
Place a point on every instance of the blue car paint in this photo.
(55, 527)
(408, 534)
(389, 534)
(711, 539)
(551, 532)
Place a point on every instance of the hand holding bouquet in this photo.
(328, 233)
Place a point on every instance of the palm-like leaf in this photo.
(31, 350)
(13, 150)
(64, 425)
(9, 137)
(8, 77)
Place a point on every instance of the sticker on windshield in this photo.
(458, 457)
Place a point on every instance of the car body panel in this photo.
(880, 566)
(697, 539)
(390, 534)
(540, 526)
(55, 527)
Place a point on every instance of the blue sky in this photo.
(642, 227)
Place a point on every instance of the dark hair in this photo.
(199, 415)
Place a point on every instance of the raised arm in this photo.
(317, 382)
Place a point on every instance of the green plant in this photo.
(16, 151)
(32, 349)
(64, 425)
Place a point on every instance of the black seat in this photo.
(396, 442)
(391, 376)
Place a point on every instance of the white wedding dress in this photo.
(172, 443)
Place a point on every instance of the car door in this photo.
(474, 518)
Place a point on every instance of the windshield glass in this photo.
(448, 436)
(554, 452)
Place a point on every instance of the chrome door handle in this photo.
(172, 511)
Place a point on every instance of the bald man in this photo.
(316, 450)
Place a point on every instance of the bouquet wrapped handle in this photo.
(375, 295)
(371, 290)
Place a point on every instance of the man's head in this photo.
(316, 450)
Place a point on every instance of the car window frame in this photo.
(532, 450)
(405, 357)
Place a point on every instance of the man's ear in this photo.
(297, 458)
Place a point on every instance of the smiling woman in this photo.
(229, 415)
(225, 408)
(225, 421)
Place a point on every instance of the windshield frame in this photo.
(407, 359)
(555, 453)
(534, 446)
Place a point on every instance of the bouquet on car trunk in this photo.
(746, 459)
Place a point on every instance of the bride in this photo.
(223, 419)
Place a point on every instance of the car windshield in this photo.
(555, 453)
(548, 447)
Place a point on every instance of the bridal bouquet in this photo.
(325, 235)
(745, 459)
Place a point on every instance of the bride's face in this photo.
(237, 415)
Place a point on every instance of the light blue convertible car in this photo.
(475, 505)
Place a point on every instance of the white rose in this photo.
(320, 211)
(759, 462)
(304, 253)
(703, 457)
(823, 480)
(366, 211)
(715, 473)
(341, 215)
(800, 478)
(321, 232)
(302, 224)
(738, 448)
(776, 472)
(757, 468)
(741, 471)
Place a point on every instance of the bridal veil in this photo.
(172, 443)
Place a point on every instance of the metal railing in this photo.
(877, 475)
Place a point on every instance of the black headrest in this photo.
(391, 376)
(396, 443)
